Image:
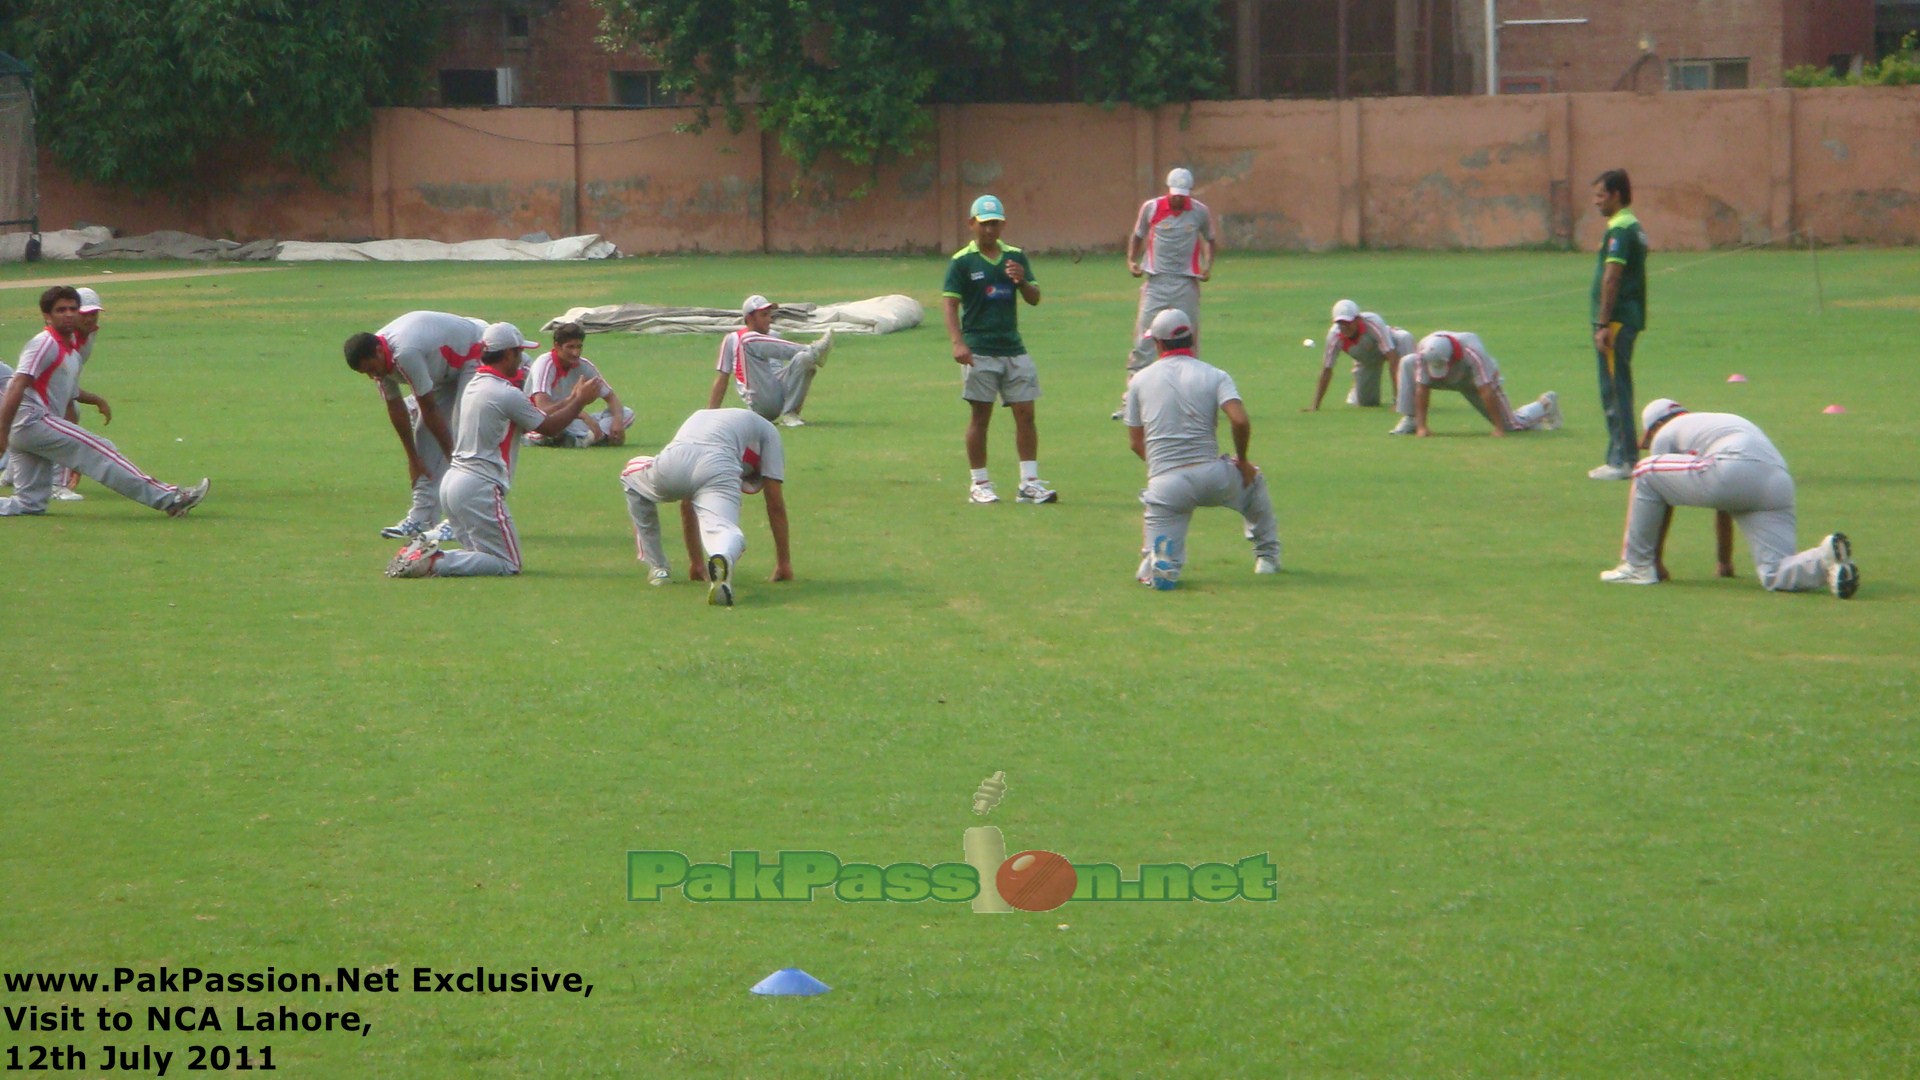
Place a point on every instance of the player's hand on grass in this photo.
(1310, 408)
(616, 435)
(1422, 431)
(106, 410)
(782, 572)
(696, 571)
(1498, 432)
(1724, 569)
(1660, 570)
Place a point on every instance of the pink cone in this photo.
(1834, 410)
(1736, 377)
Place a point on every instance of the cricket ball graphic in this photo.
(1036, 880)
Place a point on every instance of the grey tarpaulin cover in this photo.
(878, 315)
(97, 242)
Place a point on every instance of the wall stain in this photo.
(980, 173)
(1835, 147)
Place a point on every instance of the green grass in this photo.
(1526, 824)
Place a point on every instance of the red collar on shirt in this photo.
(517, 378)
(1178, 352)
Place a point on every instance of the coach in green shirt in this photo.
(1619, 314)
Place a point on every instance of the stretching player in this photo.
(715, 457)
(771, 373)
(553, 377)
(493, 413)
(433, 354)
(1455, 360)
(983, 324)
(1172, 245)
(65, 479)
(1374, 346)
(35, 429)
(1172, 413)
(1725, 462)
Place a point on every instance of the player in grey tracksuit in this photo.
(771, 374)
(1723, 461)
(716, 456)
(429, 355)
(554, 375)
(1456, 360)
(1375, 347)
(492, 415)
(1172, 412)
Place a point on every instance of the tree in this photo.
(854, 76)
(140, 92)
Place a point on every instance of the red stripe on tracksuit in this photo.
(506, 529)
(104, 449)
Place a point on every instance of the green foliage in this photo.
(1900, 69)
(854, 76)
(142, 92)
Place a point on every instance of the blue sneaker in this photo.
(1163, 573)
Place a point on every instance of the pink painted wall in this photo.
(1709, 169)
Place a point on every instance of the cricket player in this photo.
(1619, 315)
(1373, 345)
(1725, 462)
(34, 427)
(716, 456)
(493, 412)
(65, 479)
(984, 280)
(552, 378)
(1172, 415)
(430, 355)
(771, 373)
(1456, 360)
(1172, 246)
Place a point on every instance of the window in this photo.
(1707, 74)
(479, 86)
(517, 27)
(641, 88)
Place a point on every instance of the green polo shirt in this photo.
(989, 316)
(1626, 244)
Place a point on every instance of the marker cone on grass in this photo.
(790, 982)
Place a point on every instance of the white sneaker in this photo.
(415, 560)
(67, 495)
(1843, 578)
(1036, 491)
(1353, 397)
(820, 350)
(1162, 573)
(1628, 574)
(658, 576)
(1406, 426)
(1552, 420)
(982, 493)
(407, 529)
(1264, 565)
(1610, 472)
(186, 499)
(719, 581)
(791, 420)
(442, 533)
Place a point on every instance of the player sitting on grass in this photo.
(771, 373)
(553, 377)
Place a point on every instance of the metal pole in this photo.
(1493, 51)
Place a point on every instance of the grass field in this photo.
(1524, 823)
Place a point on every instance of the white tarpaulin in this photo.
(64, 244)
(878, 315)
(571, 247)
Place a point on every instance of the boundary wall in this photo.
(1709, 170)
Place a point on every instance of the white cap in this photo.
(502, 336)
(89, 301)
(754, 303)
(1433, 353)
(1180, 182)
(1659, 409)
(1170, 324)
(1345, 311)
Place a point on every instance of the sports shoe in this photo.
(983, 493)
(1628, 574)
(791, 420)
(1144, 575)
(820, 350)
(1353, 397)
(415, 560)
(1843, 578)
(67, 495)
(1118, 414)
(1162, 573)
(1406, 426)
(441, 533)
(406, 530)
(186, 499)
(1264, 565)
(719, 581)
(658, 576)
(534, 438)
(1036, 491)
(1610, 472)
(1551, 421)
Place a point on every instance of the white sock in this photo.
(1029, 470)
(979, 476)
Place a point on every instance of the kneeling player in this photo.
(715, 457)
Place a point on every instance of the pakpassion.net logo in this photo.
(989, 879)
